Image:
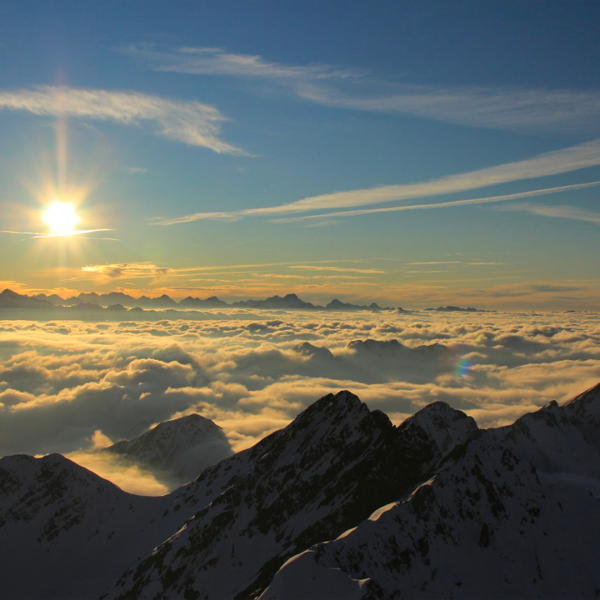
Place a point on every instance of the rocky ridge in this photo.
(339, 504)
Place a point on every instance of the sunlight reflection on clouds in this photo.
(64, 382)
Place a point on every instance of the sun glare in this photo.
(61, 218)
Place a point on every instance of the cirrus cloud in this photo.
(556, 162)
(190, 122)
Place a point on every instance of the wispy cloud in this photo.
(261, 265)
(134, 170)
(436, 205)
(80, 233)
(216, 61)
(558, 212)
(516, 109)
(128, 270)
(436, 262)
(336, 269)
(557, 162)
(491, 107)
(146, 270)
(191, 122)
(532, 289)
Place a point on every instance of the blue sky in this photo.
(245, 149)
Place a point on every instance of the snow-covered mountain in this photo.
(514, 513)
(64, 531)
(339, 504)
(176, 451)
(327, 471)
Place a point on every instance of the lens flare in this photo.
(462, 368)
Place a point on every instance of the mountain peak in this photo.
(342, 402)
(178, 450)
(11, 299)
(319, 352)
(445, 425)
(194, 422)
(374, 345)
(364, 508)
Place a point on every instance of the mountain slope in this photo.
(325, 472)
(514, 513)
(10, 299)
(339, 504)
(64, 531)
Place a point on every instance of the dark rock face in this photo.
(339, 504)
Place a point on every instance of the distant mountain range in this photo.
(457, 309)
(117, 301)
(340, 504)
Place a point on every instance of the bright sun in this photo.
(61, 218)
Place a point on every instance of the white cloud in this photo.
(557, 212)
(336, 269)
(508, 108)
(551, 163)
(216, 61)
(189, 122)
(128, 476)
(512, 108)
(450, 204)
(75, 386)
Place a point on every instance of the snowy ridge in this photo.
(490, 524)
(327, 471)
(339, 504)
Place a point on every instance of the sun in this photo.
(61, 218)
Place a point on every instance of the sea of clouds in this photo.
(74, 387)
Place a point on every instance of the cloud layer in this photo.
(65, 385)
